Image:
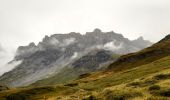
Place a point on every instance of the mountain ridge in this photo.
(59, 50)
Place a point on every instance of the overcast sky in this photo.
(24, 21)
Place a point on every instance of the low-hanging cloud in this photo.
(75, 55)
(67, 42)
(5, 57)
(111, 46)
(55, 42)
(9, 66)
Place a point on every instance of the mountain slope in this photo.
(60, 50)
(145, 81)
(156, 51)
(91, 62)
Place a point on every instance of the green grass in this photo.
(128, 75)
(121, 95)
(36, 93)
(66, 75)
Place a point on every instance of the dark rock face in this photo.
(60, 50)
(92, 60)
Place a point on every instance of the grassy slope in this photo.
(144, 75)
(133, 83)
(66, 75)
(150, 54)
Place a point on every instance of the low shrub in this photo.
(154, 87)
(162, 76)
(2, 88)
(162, 92)
(91, 97)
(84, 75)
(165, 93)
(121, 95)
(71, 84)
(18, 96)
(150, 82)
(26, 94)
(134, 84)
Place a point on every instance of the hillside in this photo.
(145, 56)
(91, 62)
(142, 81)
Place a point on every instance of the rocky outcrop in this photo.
(93, 59)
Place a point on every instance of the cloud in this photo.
(53, 41)
(67, 42)
(5, 57)
(75, 55)
(111, 46)
(9, 66)
(108, 46)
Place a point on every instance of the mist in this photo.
(112, 46)
(6, 56)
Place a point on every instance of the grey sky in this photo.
(24, 21)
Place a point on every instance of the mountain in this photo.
(60, 51)
(144, 75)
(140, 42)
(93, 61)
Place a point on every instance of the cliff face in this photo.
(60, 50)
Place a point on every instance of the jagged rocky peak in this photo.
(46, 38)
(32, 44)
(141, 42)
(140, 38)
(25, 51)
(75, 42)
(74, 34)
(59, 50)
(97, 30)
